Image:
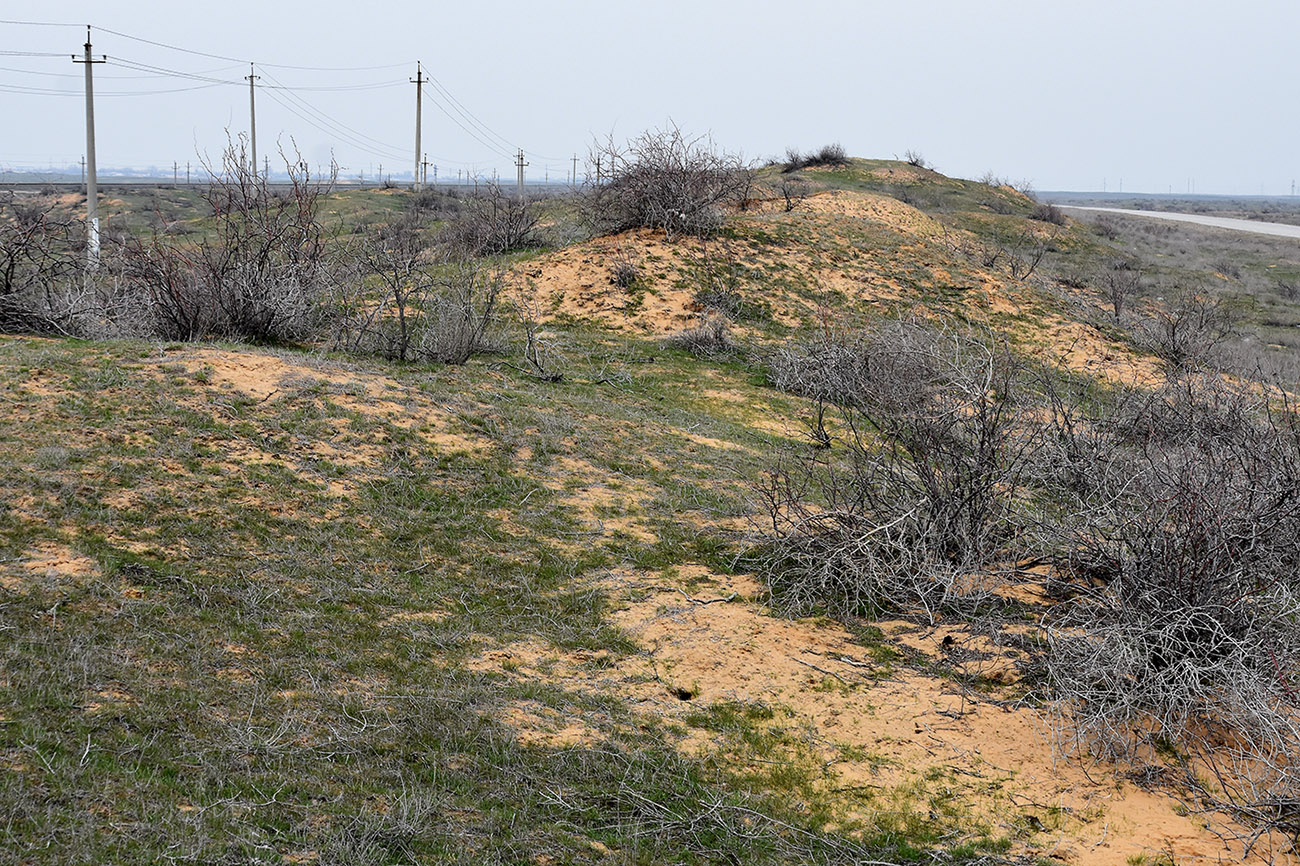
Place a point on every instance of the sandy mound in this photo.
(885, 733)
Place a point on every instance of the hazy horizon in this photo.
(1158, 98)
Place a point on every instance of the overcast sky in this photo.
(1156, 95)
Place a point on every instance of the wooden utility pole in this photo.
(92, 180)
(252, 119)
(418, 81)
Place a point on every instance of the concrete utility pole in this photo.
(424, 171)
(252, 118)
(176, 171)
(574, 181)
(418, 81)
(187, 172)
(92, 181)
(519, 183)
(266, 166)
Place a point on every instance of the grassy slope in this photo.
(244, 590)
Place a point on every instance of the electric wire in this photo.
(496, 149)
(39, 23)
(322, 125)
(439, 94)
(472, 118)
(341, 129)
(235, 59)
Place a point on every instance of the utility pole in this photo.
(252, 117)
(418, 81)
(519, 183)
(176, 171)
(83, 176)
(266, 164)
(187, 172)
(597, 171)
(435, 174)
(92, 181)
(424, 171)
(575, 171)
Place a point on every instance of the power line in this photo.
(324, 125)
(49, 91)
(496, 149)
(40, 23)
(341, 129)
(171, 47)
(109, 77)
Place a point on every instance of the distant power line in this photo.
(288, 96)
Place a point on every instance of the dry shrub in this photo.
(491, 222)
(917, 493)
(664, 179)
(624, 270)
(1187, 333)
(830, 155)
(1184, 545)
(709, 339)
(259, 276)
(440, 310)
(1048, 213)
(42, 260)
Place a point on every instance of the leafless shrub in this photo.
(794, 191)
(544, 360)
(914, 158)
(830, 155)
(918, 493)
(624, 271)
(1048, 213)
(493, 221)
(1107, 227)
(459, 314)
(1120, 282)
(378, 310)
(1021, 251)
(41, 269)
(709, 339)
(1188, 332)
(1184, 542)
(260, 276)
(663, 179)
(719, 273)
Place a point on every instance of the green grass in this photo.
(230, 679)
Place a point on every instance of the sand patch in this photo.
(535, 723)
(46, 562)
(886, 210)
(885, 732)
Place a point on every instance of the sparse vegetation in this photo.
(461, 593)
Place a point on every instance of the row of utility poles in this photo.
(420, 175)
